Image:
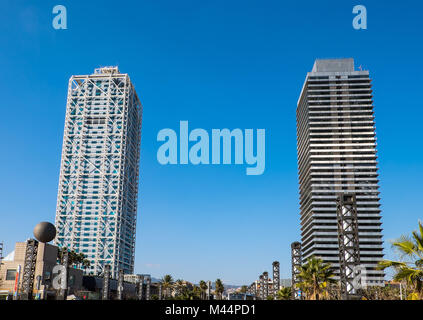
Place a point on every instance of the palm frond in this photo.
(418, 238)
(382, 265)
(405, 246)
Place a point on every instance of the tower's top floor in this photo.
(108, 70)
(332, 70)
(333, 65)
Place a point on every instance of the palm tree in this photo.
(203, 286)
(315, 276)
(77, 259)
(410, 268)
(167, 282)
(196, 293)
(219, 288)
(179, 286)
(284, 293)
(243, 289)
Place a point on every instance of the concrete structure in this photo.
(286, 283)
(93, 286)
(43, 277)
(337, 154)
(98, 187)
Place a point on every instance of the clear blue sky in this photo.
(217, 64)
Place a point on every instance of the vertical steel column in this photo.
(160, 290)
(148, 287)
(261, 289)
(1, 252)
(276, 278)
(209, 285)
(29, 269)
(140, 287)
(106, 282)
(63, 291)
(266, 284)
(252, 290)
(296, 262)
(349, 250)
(120, 285)
(38, 287)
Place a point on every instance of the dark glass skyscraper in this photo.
(336, 146)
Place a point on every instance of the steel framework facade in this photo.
(336, 146)
(120, 285)
(148, 288)
(106, 283)
(276, 278)
(349, 248)
(266, 284)
(261, 287)
(98, 186)
(209, 287)
(296, 262)
(28, 272)
(63, 292)
(140, 287)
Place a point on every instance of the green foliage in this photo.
(75, 259)
(315, 277)
(410, 266)
(219, 289)
(284, 293)
(381, 293)
(244, 289)
(167, 284)
(203, 288)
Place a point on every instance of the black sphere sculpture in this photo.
(44, 232)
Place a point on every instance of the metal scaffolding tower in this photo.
(276, 278)
(106, 282)
(120, 285)
(29, 269)
(266, 284)
(209, 287)
(252, 290)
(296, 262)
(140, 287)
(63, 292)
(148, 288)
(349, 250)
(160, 290)
(261, 287)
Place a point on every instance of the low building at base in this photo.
(12, 266)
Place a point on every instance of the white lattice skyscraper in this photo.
(98, 187)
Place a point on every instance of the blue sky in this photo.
(217, 64)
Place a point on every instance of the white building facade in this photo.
(98, 186)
